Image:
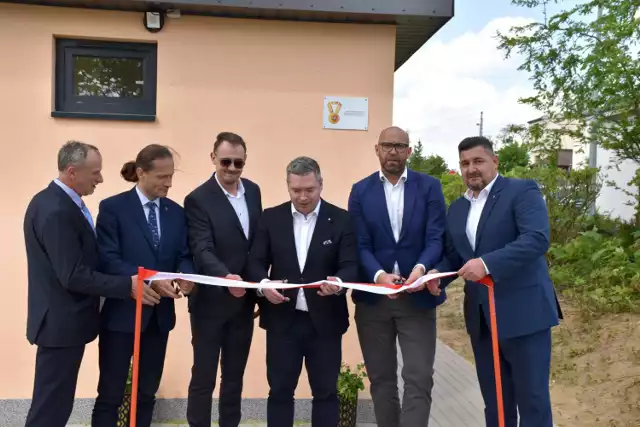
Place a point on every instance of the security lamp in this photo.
(153, 21)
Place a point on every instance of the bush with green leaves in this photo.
(601, 271)
(452, 187)
(350, 382)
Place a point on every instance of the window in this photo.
(105, 80)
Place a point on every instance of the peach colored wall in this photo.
(262, 79)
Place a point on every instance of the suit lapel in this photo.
(253, 206)
(288, 233)
(492, 199)
(410, 190)
(72, 206)
(380, 200)
(140, 217)
(460, 214)
(321, 233)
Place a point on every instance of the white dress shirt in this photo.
(303, 227)
(475, 212)
(239, 204)
(394, 196)
(144, 200)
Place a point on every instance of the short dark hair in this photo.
(144, 160)
(74, 153)
(231, 138)
(476, 141)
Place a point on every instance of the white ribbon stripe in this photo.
(218, 281)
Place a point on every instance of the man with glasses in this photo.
(222, 216)
(399, 217)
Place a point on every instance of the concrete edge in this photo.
(13, 412)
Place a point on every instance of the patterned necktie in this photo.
(153, 224)
(87, 215)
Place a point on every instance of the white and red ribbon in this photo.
(229, 283)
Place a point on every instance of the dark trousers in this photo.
(115, 352)
(524, 367)
(54, 386)
(379, 324)
(216, 339)
(322, 356)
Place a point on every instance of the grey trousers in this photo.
(378, 327)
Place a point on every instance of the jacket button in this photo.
(301, 279)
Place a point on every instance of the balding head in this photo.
(394, 134)
(393, 150)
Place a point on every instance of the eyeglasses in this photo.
(388, 146)
(237, 163)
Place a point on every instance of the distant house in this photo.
(574, 154)
(292, 77)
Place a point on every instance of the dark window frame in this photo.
(69, 105)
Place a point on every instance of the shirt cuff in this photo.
(340, 288)
(424, 269)
(375, 277)
(485, 266)
(259, 290)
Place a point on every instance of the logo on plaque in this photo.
(334, 111)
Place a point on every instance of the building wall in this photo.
(262, 79)
(612, 200)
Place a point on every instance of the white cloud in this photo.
(441, 90)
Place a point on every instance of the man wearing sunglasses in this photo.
(222, 216)
(399, 217)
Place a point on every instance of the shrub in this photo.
(349, 383)
(600, 271)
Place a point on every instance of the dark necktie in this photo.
(153, 224)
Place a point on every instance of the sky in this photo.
(441, 90)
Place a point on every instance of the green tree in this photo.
(433, 165)
(416, 160)
(585, 69)
(511, 156)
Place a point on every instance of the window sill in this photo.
(104, 116)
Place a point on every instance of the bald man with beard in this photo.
(399, 215)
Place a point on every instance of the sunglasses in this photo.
(237, 163)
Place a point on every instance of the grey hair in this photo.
(74, 153)
(303, 166)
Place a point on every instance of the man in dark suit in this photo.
(139, 227)
(303, 241)
(399, 216)
(64, 285)
(222, 216)
(501, 227)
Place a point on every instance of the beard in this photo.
(394, 167)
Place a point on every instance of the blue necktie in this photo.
(153, 224)
(87, 214)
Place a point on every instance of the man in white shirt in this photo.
(399, 215)
(500, 227)
(304, 241)
(222, 217)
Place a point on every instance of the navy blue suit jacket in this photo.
(512, 239)
(125, 243)
(421, 237)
